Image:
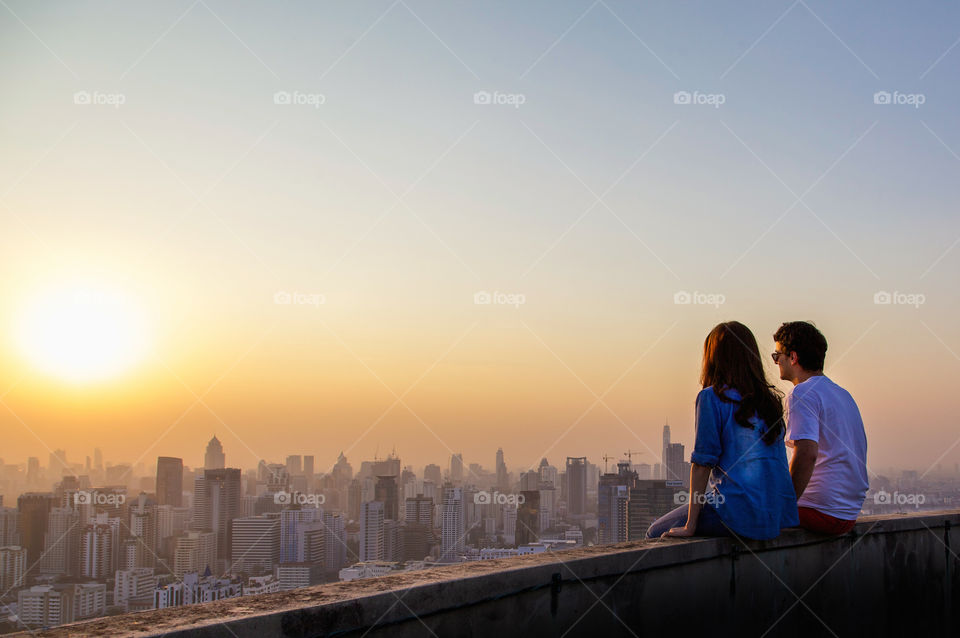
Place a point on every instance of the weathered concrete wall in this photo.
(891, 576)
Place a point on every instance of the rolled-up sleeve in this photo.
(707, 448)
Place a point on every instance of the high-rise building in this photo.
(62, 542)
(33, 509)
(342, 471)
(292, 519)
(195, 551)
(169, 481)
(46, 605)
(216, 503)
(456, 468)
(418, 530)
(503, 483)
(433, 474)
(214, 458)
(99, 547)
(613, 498)
(255, 544)
(386, 492)
(528, 518)
(13, 567)
(451, 524)
(132, 585)
(9, 532)
(308, 465)
(576, 492)
(143, 532)
(335, 542)
(393, 540)
(294, 464)
(371, 531)
(649, 500)
(548, 473)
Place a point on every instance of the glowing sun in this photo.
(81, 334)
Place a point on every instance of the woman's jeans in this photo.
(708, 524)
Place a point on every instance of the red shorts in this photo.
(817, 521)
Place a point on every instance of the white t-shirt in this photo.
(820, 410)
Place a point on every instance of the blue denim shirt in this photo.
(751, 486)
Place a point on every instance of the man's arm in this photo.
(805, 454)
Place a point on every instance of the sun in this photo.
(82, 334)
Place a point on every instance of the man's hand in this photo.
(805, 454)
(678, 532)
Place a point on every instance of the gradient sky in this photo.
(399, 198)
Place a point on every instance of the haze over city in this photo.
(301, 294)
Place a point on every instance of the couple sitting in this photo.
(740, 484)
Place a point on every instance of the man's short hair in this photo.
(803, 338)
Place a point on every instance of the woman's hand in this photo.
(678, 532)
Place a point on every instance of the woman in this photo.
(739, 448)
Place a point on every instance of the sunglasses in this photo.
(776, 356)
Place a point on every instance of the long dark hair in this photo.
(731, 359)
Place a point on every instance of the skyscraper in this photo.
(451, 524)
(308, 465)
(217, 502)
(98, 546)
(371, 531)
(61, 543)
(386, 492)
(418, 530)
(502, 480)
(294, 464)
(576, 492)
(33, 509)
(433, 474)
(255, 543)
(456, 468)
(214, 458)
(169, 481)
(613, 497)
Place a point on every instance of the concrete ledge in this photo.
(891, 574)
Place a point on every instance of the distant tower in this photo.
(502, 481)
(169, 481)
(214, 459)
(666, 448)
(456, 467)
(451, 524)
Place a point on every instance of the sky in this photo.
(274, 222)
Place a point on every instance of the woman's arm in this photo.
(699, 475)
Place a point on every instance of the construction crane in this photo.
(630, 454)
(606, 460)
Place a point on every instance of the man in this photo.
(826, 432)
